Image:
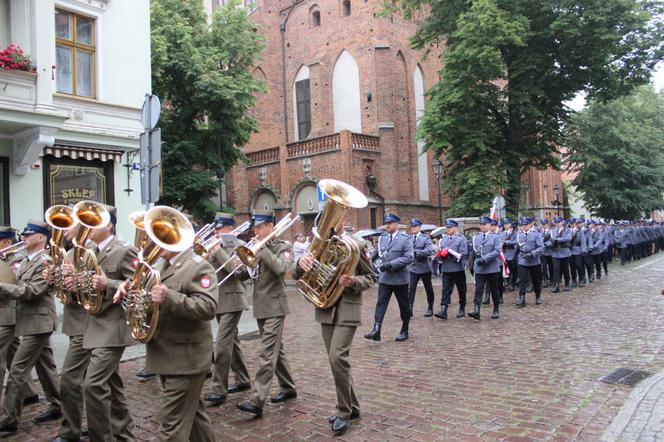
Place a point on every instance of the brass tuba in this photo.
(61, 218)
(91, 216)
(166, 229)
(335, 255)
(136, 219)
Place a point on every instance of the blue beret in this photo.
(526, 220)
(508, 220)
(544, 222)
(501, 225)
(452, 223)
(494, 222)
(391, 218)
(415, 222)
(558, 219)
(485, 220)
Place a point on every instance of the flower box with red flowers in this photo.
(13, 59)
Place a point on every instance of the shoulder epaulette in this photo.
(197, 258)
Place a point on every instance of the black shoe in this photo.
(355, 414)
(8, 430)
(529, 289)
(538, 299)
(215, 398)
(442, 314)
(283, 396)
(512, 288)
(403, 336)
(566, 288)
(574, 284)
(500, 301)
(556, 288)
(545, 283)
(522, 301)
(475, 314)
(64, 439)
(144, 374)
(29, 400)
(461, 313)
(429, 313)
(374, 334)
(495, 314)
(236, 388)
(48, 415)
(582, 283)
(250, 408)
(339, 426)
(486, 302)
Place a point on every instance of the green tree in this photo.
(508, 68)
(202, 73)
(616, 148)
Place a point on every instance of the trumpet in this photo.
(247, 253)
(206, 239)
(12, 250)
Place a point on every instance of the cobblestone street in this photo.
(534, 374)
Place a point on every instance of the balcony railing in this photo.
(265, 156)
(365, 142)
(314, 146)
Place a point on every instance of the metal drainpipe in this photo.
(282, 33)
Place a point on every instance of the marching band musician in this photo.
(9, 342)
(395, 252)
(35, 322)
(485, 266)
(232, 302)
(338, 326)
(531, 248)
(72, 374)
(179, 351)
(105, 337)
(270, 304)
(453, 268)
(420, 268)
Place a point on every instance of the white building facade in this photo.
(69, 130)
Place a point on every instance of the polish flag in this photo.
(506, 270)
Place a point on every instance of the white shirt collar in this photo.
(104, 243)
(37, 253)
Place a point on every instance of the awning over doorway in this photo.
(85, 151)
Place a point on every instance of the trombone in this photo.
(206, 240)
(247, 253)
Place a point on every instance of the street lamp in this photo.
(437, 168)
(556, 198)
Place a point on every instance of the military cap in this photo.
(452, 223)
(415, 222)
(391, 218)
(35, 226)
(224, 219)
(262, 216)
(7, 232)
(485, 220)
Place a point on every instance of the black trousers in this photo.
(414, 279)
(561, 265)
(623, 255)
(493, 280)
(605, 261)
(385, 294)
(572, 268)
(588, 262)
(450, 279)
(547, 268)
(580, 267)
(530, 275)
(597, 260)
(514, 271)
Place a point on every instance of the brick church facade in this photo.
(344, 93)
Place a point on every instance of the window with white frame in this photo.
(75, 54)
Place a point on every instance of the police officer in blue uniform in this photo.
(420, 268)
(453, 253)
(578, 249)
(547, 258)
(392, 257)
(560, 240)
(485, 265)
(511, 251)
(531, 248)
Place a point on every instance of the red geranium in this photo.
(12, 58)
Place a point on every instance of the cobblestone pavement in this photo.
(532, 375)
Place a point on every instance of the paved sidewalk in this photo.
(532, 375)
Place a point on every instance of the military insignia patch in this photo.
(287, 255)
(16, 265)
(206, 282)
(134, 263)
